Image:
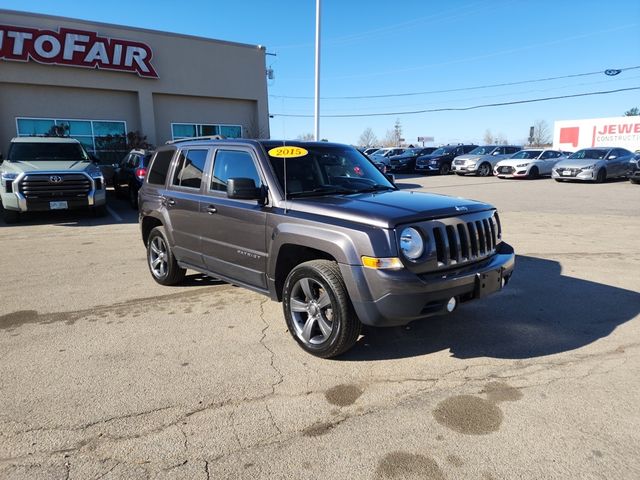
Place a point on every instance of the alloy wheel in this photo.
(311, 311)
(158, 257)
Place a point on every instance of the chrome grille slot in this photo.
(461, 240)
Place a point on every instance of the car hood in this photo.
(470, 157)
(386, 209)
(432, 157)
(576, 163)
(48, 166)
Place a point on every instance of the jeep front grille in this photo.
(45, 186)
(462, 240)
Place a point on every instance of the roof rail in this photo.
(189, 139)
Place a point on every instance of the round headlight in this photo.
(411, 243)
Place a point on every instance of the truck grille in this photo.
(54, 186)
(458, 241)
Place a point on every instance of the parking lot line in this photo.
(114, 214)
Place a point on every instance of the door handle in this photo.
(211, 210)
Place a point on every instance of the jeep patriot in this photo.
(316, 226)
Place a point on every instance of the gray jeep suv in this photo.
(341, 248)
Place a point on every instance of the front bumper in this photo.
(585, 176)
(385, 298)
(427, 168)
(464, 168)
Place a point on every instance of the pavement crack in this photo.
(206, 470)
(271, 352)
(108, 471)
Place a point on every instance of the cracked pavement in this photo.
(106, 375)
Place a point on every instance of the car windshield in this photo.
(380, 151)
(482, 150)
(591, 154)
(441, 151)
(43, 151)
(527, 154)
(328, 170)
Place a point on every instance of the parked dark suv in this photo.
(406, 161)
(128, 175)
(440, 160)
(341, 248)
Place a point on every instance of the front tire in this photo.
(484, 170)
(634, 181)
(162, 264)
(445, 168)
(10, 216)
(317, 309)
(534, 173)
(601, 177)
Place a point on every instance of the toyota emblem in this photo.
(55, 179)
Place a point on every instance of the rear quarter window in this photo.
(160, 168)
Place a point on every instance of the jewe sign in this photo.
(77, 48)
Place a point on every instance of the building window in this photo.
(100, 137)
(190, 130)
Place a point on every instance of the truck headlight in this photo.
(411, 243)
(9, 177)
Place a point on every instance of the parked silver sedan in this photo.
(593, 165)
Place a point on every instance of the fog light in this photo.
(452, 304)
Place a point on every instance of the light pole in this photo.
(316, 116)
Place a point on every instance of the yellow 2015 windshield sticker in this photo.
(288, 152)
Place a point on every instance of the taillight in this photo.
(141, 173)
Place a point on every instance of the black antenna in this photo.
(284, 162)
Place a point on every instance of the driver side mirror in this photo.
(244, 189)
(391, 177)
(611, 157)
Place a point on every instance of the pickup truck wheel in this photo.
(484, 170)
(10, 216)
(162, 264)
(318, 311)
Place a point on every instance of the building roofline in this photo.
(126, 27)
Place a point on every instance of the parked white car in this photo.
(529, 163)
(382, 155)
(481, 160)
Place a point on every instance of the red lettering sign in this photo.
(76, 48)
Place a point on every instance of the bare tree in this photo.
(251, 130)
(397, 131)
(541, 134)
(306, 137)
(368, 138)
(488, 137)
(632, 112)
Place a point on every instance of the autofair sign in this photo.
(76, 48)
(597, 132)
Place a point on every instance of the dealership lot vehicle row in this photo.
(129, 379)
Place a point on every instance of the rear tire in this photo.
(133, 197)
(601, 177)
(484, 170)
(162, 264)
(318, 311)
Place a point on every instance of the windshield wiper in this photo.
(328, 190)
(376, 188)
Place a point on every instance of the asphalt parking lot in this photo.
(105, 374)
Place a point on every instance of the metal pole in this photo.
(316, 117)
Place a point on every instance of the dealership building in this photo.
(96, 81)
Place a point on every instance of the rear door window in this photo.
(160, 167)
(189, 168)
